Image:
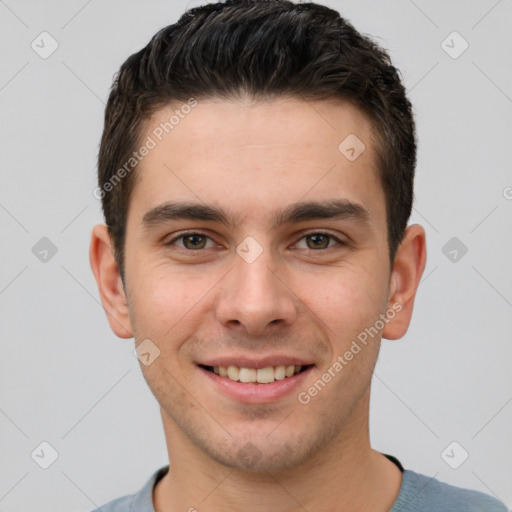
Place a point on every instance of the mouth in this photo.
(255, 380)
(264, 376)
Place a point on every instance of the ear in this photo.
(108, 279)
(407, 270)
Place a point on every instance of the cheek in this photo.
(159, 299)
(170, 304)
(347, 302)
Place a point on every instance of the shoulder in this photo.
(427, 494)
(142, 501)
(123, 504)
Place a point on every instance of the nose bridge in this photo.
(255, 278)
(252, 295)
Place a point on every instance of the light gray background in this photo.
(66, 378)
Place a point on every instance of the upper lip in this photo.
(253, 362)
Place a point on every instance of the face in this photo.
(253, 242)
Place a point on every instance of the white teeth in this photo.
(247, 375)
(265, 375)
(280, 372)
(233, 372)
(290, 370)
(261, 375)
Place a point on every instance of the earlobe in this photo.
(108, 279)
(408, 267)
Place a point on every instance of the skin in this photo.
(295, 298)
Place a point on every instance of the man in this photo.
(256, 174)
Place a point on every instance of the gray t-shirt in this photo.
(418, 493)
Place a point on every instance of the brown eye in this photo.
(318, 240)
(191, 241)
(194, 241)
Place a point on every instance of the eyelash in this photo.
(317, 232)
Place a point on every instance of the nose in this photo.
(253, 296)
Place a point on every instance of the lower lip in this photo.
(254, 393)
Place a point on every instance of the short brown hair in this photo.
(266, 48)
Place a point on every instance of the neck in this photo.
(346, 475)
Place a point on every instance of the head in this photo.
(263, 49)
(217, 130)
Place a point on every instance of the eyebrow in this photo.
(340, 209)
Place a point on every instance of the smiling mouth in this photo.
(265, 375)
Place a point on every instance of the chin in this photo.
(261, 454)
(260, 458)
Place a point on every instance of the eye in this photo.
(191, 241)
(194, 241)
(320, 240)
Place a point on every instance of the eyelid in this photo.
(183, 234)
(339, 240)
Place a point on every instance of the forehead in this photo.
(255, 155)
